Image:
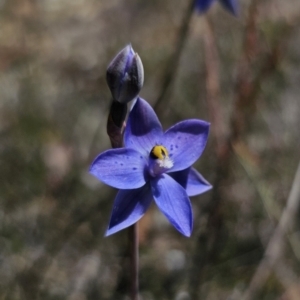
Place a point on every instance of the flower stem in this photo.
(116, 123)
(115, 129)
(172, 66)
(134, 261)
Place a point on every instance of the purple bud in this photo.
(125, 75)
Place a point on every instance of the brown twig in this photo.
(276, 244)
(207, 240)
(212, 85)
(173, 63)
(244, 107)
(134, 260)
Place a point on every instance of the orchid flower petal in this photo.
(143, 129)
(192, 181)
(129, 207)
(120, 168)
(185, 142)
(172, 199)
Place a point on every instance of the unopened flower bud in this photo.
(125, 75)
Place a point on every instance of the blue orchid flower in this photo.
(154, 165)
(203, 5)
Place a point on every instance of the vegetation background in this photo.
(242, 74)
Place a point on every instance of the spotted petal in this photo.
(185, 142)
(173, 201)
(120, 168)
(193, 182)
(129, 207)
(143, 129)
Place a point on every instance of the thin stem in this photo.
(173, 63)
(116, 123)
(213, 85)
(134, 261)
(246, 92)
(276, 244)
(209, 237)
(115, 129)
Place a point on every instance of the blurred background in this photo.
(242, 74)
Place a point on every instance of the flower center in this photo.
(159, 160)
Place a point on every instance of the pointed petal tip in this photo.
(173, 201)
(109, 232)
(112, 230)
(127, 49)
(131, 50)
(187, 232)
(209, 187)
(129, 207)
